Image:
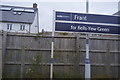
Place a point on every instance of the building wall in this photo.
(34, 26)
(29, 28)
(15, 27)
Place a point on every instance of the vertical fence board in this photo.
(3, 51)
(1, 55)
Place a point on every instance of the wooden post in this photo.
(4, 38)
(0, 55)
(76, 58)
(22, 60)
(108, 59)
(118, 76)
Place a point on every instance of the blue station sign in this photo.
(79, 27)
(80, 17)
(79, 22)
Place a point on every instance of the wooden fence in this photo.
(28, 55)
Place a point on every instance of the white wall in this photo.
(34, 26)
(15, 27)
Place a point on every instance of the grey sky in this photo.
(46, 8)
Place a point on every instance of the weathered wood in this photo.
(22, 60)
(118, 57)
(108, 59)
(112, 37)
(1, 56)
(20, 50)
(62, 64)
(64, 50)
(4, 41)
(77, 55)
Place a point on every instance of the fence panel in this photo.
(28, 55)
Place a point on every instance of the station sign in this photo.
(79, 22)
(81, 17)
(79, 27)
